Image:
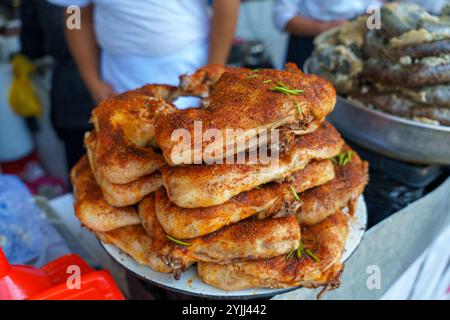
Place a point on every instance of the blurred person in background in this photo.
(123, 45)
(305, 19)
(432, 6)
(71, 103)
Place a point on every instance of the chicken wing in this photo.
(196, 186)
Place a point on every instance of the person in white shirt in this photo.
(305, 19)
(432, 6)
(123, 45)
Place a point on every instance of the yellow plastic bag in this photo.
(22, 95)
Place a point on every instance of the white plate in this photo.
(191, 284)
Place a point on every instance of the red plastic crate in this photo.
(51, 281)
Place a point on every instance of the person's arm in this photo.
(304, 27)
(84, 49)
(223, 26)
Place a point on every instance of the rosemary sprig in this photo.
(299, 106)
(267, 81)
(343, 158)
(294, 193)
(252, 76)
(281, 87)
(312, 255)
(182, 243)
(290, 254)
(300, 250)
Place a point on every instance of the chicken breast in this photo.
(245, 240)
(196, 186)
(325, 241)
(246, 103)
(90, 206)
(269, 199)
(121, 195)
(125, 132)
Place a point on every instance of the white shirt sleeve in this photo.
(66, 3)
(283, 12)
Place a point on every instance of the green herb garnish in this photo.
(300, 250)
(252, 76)
(267, 81)
(343, 158)
(312, 255)
(258, 187)
(299, 106)
(186, 244)
(290, 254)
(281, 87)
(294, 193)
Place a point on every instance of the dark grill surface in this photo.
(395, 184)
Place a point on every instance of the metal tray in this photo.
(392, 136)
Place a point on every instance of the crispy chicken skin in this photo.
(245, 101)
(196, 186)
(90, 206)
(199, 83)
(135, 241)
(326, 240)
(121, 195)
(126, 133)
(269, 199)
(249, 239)
(343, 191)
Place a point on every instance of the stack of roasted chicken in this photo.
(150, 186)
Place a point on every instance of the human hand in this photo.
(101, 90)
(306, 27)
(325, 25)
